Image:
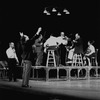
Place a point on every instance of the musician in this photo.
(78, 44)
(39, 50)
(27, 56)
(12, 61)
(62, 42)
(70, 54)
(76, 48)
(52, 43)
(90, 52)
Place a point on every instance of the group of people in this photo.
(37, 45)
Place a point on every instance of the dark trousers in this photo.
(26, 72)
(12, 69)
(62, 53)
(39, 58)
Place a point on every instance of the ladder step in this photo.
(50, 62)
(50, 58)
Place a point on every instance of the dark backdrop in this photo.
(27, 16)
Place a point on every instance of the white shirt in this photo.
(61, 40)
(11, 53)
(90, 50)
(52, 41)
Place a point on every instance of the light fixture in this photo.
(48, 13)
(66, 11)
(59, 14)
(45, 11)
(54, 10)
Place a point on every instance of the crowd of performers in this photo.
(36, 49)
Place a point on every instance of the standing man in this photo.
(12, 61)
(27, 56)
(62, 42)
(39, 50)
(78, 44)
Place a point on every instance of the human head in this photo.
(89, 43)
(62, 34)
(11, 44)
(51, 35)
(77, 36)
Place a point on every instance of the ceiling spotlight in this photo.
(59, 14)
(54, 10)
(48, 13)
(66, 11)
(45, 11)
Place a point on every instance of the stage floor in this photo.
(87, 89)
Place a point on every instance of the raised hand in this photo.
(21, 34)
(39, 29)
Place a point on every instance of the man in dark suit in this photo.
(27, 56)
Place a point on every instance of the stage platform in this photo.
(59, 72)
(55, 90)
(65, 72)
(60, 82)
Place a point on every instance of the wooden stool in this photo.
(77, 60)
(51, 59)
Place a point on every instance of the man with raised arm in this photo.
(27, 56)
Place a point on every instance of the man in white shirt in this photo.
(52, 43)
(12, 61)
(62, 39)
(62, 42)
(90, 51)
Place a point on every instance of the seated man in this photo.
(90, 52)
(51, 43)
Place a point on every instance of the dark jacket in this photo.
(27, 48)
(79, 46)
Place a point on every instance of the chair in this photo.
(94, 59)
(3, 69)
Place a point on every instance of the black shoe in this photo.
(15, 80)
(10, 80)
(26, 86)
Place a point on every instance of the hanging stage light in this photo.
(54, 10)
(45, 11)
(66, 11)
(58, 14)
(48, 13)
